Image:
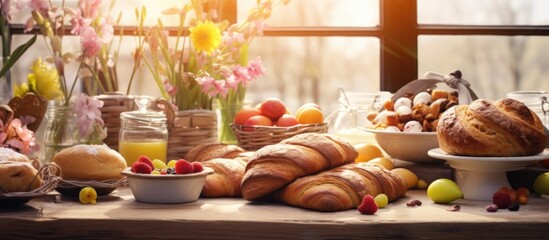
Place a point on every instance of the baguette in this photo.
(274, 166)
(342, 188)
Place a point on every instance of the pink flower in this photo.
(206, 82)
(39, 5)
(233, 38)
(232, 82)
(90, 8)
(10, 8)
(255, 68)
(25, 142)
(107, 31)
(79, 23)
(220, 88)
(171, 89)
(91, 43)
(241, 75)
(87, 112)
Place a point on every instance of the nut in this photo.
(413, 203)
(492, 208)
(454, 208)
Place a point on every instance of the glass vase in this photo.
(61, 131)
(226, 112)
(5, 85)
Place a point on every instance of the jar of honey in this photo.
(143, 132)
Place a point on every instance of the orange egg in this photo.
(244, 114)
(367, 152)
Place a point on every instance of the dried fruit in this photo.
(514, 207)
(522, 199)
(368, 205)
(197, 166)
(454, 208)
(381, 200)
(141, 167)
(492, 208)
(501, 199)
(413, 203)
(87, 195)
(182, 166)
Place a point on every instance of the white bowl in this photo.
(169, 188)
(406, 146)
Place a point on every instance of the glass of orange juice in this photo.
(143, 132)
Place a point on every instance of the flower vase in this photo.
(225, 115)
(5, 85)
(61, 131)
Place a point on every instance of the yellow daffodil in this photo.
(88, 195)
(205, 36)
(44, 80)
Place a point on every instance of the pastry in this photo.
(8, 154)
(505, 128)
(274, 166)
(226, 179)
(18, 177)
(90, 163)
(342, 188)
(209, 151)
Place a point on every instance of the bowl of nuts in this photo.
(179, 184)
(406, 127)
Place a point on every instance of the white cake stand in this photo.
(480, 177)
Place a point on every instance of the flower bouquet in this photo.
(209, 61)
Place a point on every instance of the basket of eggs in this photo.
(271, 122)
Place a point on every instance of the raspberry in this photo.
(197, 167)
(182, 166)
(141, 167)
(368, 205)
(146, 160)
(501, 199)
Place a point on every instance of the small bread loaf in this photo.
(90, 163)
(226, 179)
(506, 128)
(209, 151)
(342, 188)
(18, 177)
(274, 166)
(8, 154)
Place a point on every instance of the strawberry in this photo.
(197, 167)
(141, 167)
(146, 160)
(182, 166)
(501, 199)
(368, 205)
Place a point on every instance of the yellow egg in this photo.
(367, 152)
(409, 177)
(387, 163)
(87, 195)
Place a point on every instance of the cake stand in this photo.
(480, 177)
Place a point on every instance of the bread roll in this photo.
(209, 151)
(90, 163)
(8, 154)
(506, 128)
(18, 177)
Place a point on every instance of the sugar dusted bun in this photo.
(90, 163)
(505, 128)
(18, 177)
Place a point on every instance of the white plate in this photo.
(480, 177)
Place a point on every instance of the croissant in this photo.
(203, 152)
(342, 188)
(226, 179)
(505, 128)
(274, 166)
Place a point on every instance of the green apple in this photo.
(541, 184)
(444, 190)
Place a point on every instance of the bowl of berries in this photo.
(179, 182)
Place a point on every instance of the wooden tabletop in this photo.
(119, 216)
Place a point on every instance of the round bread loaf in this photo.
(506, 128)
(90, 163)
(18, 177)
(8, 154)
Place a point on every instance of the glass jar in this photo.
(537, 101)
(61, 131)
(354, 107)
(143, 132)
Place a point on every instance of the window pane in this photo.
(348, 13)
(310, 69)
(493, 65)
(483, 12)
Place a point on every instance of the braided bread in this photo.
(274, 166)
(342, 188)
(505, 128)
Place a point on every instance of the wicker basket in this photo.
(114, 104)
(255, 137)
(189, 128)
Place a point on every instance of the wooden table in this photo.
(119, 216)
